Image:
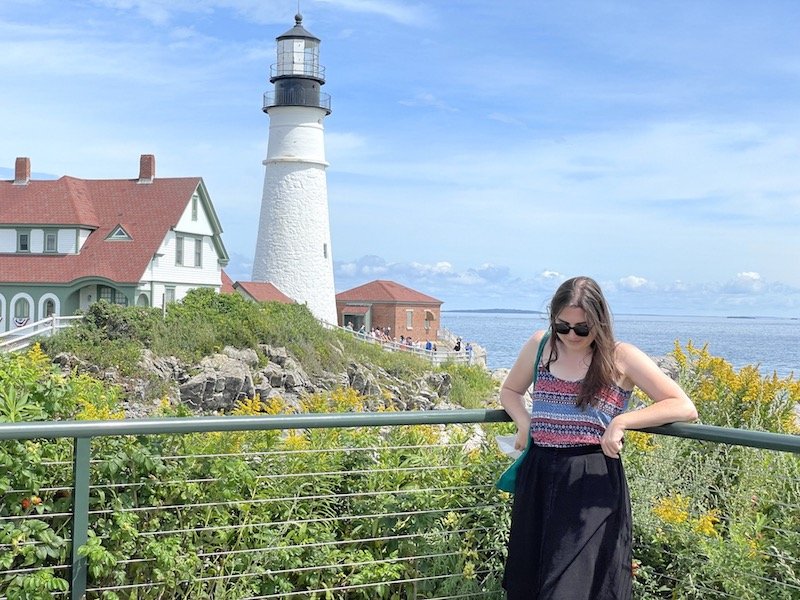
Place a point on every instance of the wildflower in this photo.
(469, 570)
(295, 441)
(704, 524)
(644, 442)
(672, 509)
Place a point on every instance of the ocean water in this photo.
(771, 343)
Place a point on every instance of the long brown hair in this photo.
(585, 293)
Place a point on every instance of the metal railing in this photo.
(435, 357)
(22, 337)
(300, 97)
(354, 505)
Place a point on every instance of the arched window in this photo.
(49, 308)
(22, 312)
(111, 295)
(142, 300)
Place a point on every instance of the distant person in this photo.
(428, 345)
(457, 347)
(349, 325)
(571, 519)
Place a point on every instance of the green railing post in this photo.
(80, 514)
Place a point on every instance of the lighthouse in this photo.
(293, 249)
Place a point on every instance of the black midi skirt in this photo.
(570, 527)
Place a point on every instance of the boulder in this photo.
(165, 368)
(362, 380)
(441, 383)
(295, 378)
(275, 355)
(222, 381)
(246, 355)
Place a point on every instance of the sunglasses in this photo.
(581, 329)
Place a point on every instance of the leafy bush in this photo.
(713, 519)
(204, 322)
(471, 386)
(270, 513)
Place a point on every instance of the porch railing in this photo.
(22, 337)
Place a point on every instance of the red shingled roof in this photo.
(227, 284)
(146, 211)
(261, 291)
(382, 290)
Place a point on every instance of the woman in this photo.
(571, 520)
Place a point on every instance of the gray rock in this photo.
(246, 355)
(362, 380)
(222, 381)
(275, 355)
(441, 383)
(166, 368)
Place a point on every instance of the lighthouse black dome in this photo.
(298, 31)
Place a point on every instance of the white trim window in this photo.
(198, 252)
(179, 250)
(24, 241)
(22, 312)
(51, 242)
(409, 319)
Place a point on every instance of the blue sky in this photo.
(479, 151)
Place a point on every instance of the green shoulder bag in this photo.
(508, 480)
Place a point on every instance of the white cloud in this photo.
(746, 282)
(632, 282)
(554, 275)
(426, 99)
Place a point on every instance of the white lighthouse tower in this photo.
(293, 250)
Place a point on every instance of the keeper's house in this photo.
(68, 242)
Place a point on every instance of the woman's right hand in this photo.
(521, 441)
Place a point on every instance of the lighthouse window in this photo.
(325, 250)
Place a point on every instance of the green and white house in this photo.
(69, 242)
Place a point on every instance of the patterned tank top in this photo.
(557, 421)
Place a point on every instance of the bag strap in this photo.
(539, 352)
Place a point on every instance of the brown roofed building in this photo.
(68, 242)
(383, 303)
(261, 291)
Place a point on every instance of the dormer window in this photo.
(194, 207)
(23, 241)
(119, 234)
(50, 242)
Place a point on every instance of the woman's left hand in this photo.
(611, 442)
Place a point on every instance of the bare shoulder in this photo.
(638, 369)
(628, 353)
(521, 374)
